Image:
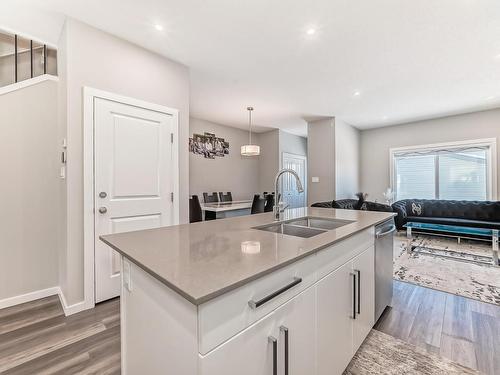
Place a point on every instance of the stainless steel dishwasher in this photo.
(384, 249)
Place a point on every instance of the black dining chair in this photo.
(214, 198)
(258, 204)
(269, 202)
(225, 198)
(195, 213)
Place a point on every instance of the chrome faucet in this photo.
(277, 208)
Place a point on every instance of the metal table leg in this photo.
(494, 241)
(408, 240)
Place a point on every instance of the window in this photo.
(453, 171)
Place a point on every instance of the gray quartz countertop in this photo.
(204, 260)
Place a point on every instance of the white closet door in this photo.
(133, 180)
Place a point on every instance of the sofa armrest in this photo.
(400, 208)
(322, 204)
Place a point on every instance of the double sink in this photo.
(304, 227)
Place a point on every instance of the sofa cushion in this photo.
(455, 221)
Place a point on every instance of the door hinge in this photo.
(172, 197)
(171, 137)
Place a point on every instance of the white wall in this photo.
(321, 160)
(99, 60)
(269, 159)
(233, 172)
(375, 144)
(29, 162)
(347, 160)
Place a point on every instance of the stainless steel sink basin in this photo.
(304, 227)
(320, 223)
(291, 230)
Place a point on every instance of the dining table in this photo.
(228, 209)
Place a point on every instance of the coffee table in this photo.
(455, 231)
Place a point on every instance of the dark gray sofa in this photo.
(479, 214)
(354, 204)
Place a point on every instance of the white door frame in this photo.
(89, 96)
(304, 183)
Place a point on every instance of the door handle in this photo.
(103, 194)
(274, 343)
(103, 210)
(353, 275)
(284, 330)
(358, 279)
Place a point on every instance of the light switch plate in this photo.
(314, 179)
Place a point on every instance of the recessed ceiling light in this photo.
(311, 31)
(159, 27)
(356, 93)
(489, 98)
(384, 117)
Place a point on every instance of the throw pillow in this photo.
(417, 209)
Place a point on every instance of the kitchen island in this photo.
(247, 296)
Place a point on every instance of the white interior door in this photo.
(289, 192)
(133, 180)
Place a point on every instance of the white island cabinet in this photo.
(308, 317)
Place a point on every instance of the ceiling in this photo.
(371, 63)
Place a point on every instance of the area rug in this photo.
(384, 354)
(480, 282)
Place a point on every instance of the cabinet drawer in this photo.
(225, 316)
(335, 256)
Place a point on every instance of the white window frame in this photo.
(491, 159)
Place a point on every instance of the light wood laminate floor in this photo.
(36, 337)
(464, 330)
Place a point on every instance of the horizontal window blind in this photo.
(415, 177)
(460, 173)
(463, 175)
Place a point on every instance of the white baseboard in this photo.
(28, 297)
(74, 308)
(38, 294)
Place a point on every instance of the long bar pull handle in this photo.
(255, 304)
(387, 232)
(358, 277)
(274, 343)
(284, 330)
(353, 316)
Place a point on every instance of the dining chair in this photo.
(195, 213)
(258, 204)
(269, 202)
(225, 198)
(214, 198)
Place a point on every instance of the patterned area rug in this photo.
(477, 281)
(384, 354)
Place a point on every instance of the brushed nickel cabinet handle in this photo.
(284, 330)
(358, 277)
(274, 343)
(353, 316)
(255, 304)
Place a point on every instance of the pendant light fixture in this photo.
(250, 149)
